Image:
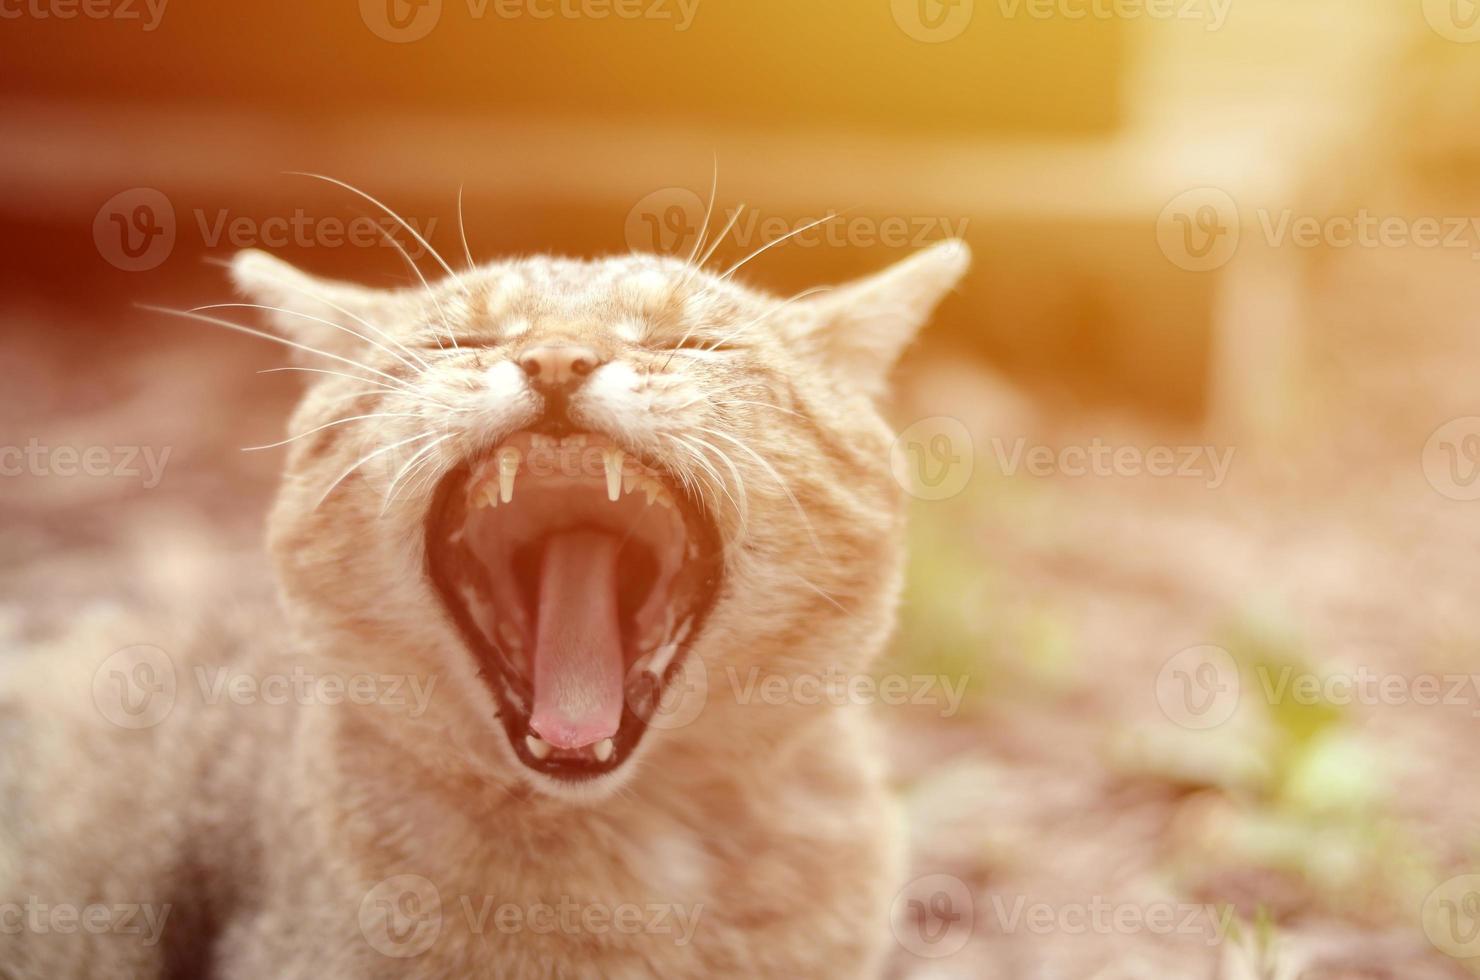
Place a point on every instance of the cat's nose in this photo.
(558, 367)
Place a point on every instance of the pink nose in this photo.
(558, 366)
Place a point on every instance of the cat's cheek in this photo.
(505, 403)
(610, 401)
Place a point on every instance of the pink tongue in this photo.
(578, 642)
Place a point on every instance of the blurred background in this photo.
(1195, 447)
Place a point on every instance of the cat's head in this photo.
(598, 501)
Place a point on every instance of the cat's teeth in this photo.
(604, 750)
(539, 440)
(629, 480)
(508, 468)
(487, 496)
(613, 459)
(577, 441)
(537, 746)
(655, 491)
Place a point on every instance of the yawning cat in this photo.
(566, 503)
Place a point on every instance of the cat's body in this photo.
(258, 856)
(408, 833)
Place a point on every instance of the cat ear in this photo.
(861, 327)
(307, 307)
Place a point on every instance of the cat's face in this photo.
(597, 501)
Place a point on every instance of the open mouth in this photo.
(579, 577)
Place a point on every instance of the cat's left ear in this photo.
(861, 327)
(306, 308)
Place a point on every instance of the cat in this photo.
(546, 527)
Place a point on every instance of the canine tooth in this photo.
(604, 750)
(537, 746)
(508, 468)
(613, 460)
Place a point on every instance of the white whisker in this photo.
(421, 454)
(250, 332)
(742, 511)
(419, 364)
(770, 245)
(720, 238)
(769, 313)
(398, 388)
(326, 425)
(367, 458)
(709, 213)
(785, 488)
(462, 232)
(824, 595)
(426, 286)
(320, 297)
(401, 221)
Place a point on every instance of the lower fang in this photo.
(604, 749)
(538, 747)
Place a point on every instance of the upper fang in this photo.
(613, 460)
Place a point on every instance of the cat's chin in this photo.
(579, 578)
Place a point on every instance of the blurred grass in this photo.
(956, 617)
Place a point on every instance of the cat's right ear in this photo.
(861, 327)
(308, 310)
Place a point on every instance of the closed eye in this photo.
(446, 342)
(695, 344)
